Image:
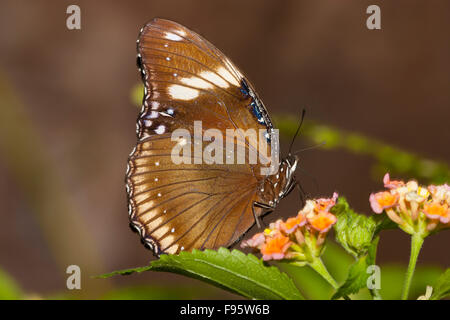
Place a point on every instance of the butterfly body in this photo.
(194, 204)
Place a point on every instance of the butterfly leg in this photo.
(301, 193)
(266, 209)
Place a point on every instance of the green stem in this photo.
(416, 245)
(318, 266)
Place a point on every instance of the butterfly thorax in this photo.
(276, 187)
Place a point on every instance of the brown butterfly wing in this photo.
(187, 206)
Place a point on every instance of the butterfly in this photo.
(176, 207)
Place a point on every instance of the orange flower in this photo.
(416, 209)
(382, 200)
(297, 237)
(275, 248)
(322, 221)
(293, 223)
(435, 210)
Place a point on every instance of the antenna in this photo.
(310, 147)
(297, 131)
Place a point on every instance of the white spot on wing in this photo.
(214, 78)
(228, 76)
(182, 92)
(196, 82)
(172, 36)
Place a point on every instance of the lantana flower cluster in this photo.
(416, 209)
(300, 238)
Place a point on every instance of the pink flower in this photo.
(440, 193)
(382, 200)
(392, 184)
(413, 207)
(275, 225)
(326, 204)
(256, 241)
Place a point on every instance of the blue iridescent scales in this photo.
(257, 107)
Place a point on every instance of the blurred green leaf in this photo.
(357, 275)
(137, 94)
(27, 160)
(9, 289)
(389, 158)
(441, 289)
(234, 271)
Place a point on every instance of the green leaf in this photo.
(357, 275)
(234, 271)
(441, 289)
(9, 289)
(124, 272)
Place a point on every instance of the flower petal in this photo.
(322, 221)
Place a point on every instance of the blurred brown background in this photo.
(73, 111)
